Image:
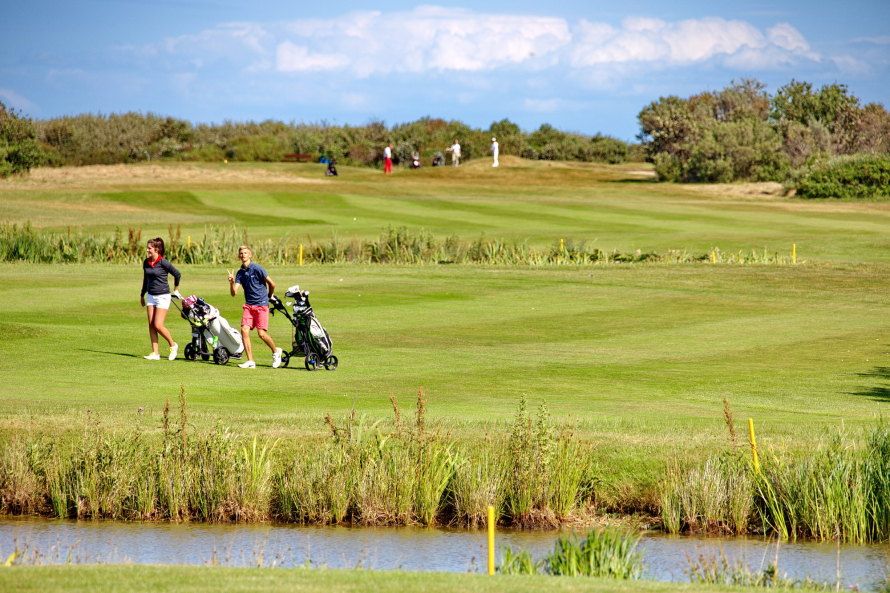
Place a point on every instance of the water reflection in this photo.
(409, 548)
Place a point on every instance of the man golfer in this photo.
(494, 151)
(454, 149)
(254, 279)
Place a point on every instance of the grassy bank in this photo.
(109, 578)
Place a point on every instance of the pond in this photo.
(405, 548)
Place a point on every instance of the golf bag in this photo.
(331, 170)
(311, 340)
(439, 160)
(211, 333)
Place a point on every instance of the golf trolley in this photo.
(310, 338)
(212, 336)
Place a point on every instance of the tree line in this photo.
(742, 133)
(131, 137)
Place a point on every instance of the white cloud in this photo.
(15, 100)
(683, 42)
(294, 58)
(850, 65)
(787, 37)
(883, 40)
(437, 39)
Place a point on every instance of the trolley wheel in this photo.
(311, 361)
(330, 363)
(221, 356)
(285, 358)
(191, 353)
(206, 357)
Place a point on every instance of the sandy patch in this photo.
(92, 175)
(753, 191)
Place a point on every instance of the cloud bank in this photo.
(435, 39)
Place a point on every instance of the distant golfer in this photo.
(494, 151)
(454, 149)
(254, 279)
(155, 296)
(387, 160)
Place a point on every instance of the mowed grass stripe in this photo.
(637, 341)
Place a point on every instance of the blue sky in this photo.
(584, 66)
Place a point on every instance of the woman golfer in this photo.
(155, 295)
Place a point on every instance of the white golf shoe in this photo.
(247, 365)
(276, 358)
(152, 356)
(174, 350)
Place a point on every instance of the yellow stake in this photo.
(713, 258)
(561, 246)
(301, 255)
(490, 540)
(753, 445)
(190, 241)
(794, 253)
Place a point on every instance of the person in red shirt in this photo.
(387, 160)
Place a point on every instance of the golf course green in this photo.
(636, 359)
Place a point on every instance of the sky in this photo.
(581, 66)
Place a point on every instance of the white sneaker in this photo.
(247, 365)
(174, 350)
(153, 356)
(276, 359)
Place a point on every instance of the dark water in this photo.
(415, 549)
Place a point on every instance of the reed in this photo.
(360, 473)
(715, 496)
(606, 552)
(716, 569)
(837, 490)
(219, 245)
(518, 562)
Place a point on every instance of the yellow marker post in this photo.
(301, 255)
(562, 247)
(490, 540)
(753, 445)
(713, 258)
(794, 253)
(190, 241)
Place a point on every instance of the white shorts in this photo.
(161, 301)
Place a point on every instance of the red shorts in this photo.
(255, 316)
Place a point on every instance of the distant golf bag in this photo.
(211, 333)
(310, 338)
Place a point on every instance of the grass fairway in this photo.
(133, 579)
(638, 357)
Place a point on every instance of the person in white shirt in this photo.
(387, 159)
(494, 151)
(455, 153)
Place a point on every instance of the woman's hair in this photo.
(158, 244)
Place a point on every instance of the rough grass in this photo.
(135, 579)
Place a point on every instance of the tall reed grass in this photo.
(717, 570)
(839, 490)
(219, 245)
(609, 552)
(360, 474)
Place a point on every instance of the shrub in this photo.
(18, 148)
(856, 177)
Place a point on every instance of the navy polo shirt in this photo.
(253, 280)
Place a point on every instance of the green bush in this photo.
(851, 177)
(18, 148)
